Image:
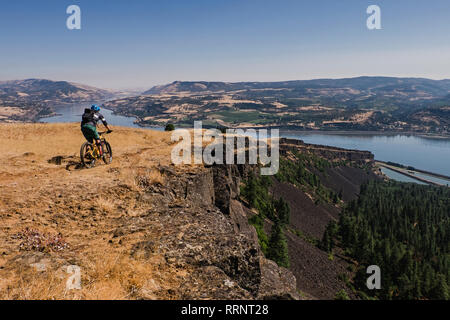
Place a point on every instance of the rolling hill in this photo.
(358, 104)
(40, 90)
(360, 88)
(31, 99)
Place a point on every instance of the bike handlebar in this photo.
(105, 132)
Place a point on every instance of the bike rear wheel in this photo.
(107, 153)
(87, 155)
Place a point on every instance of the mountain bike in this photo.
(89, 152)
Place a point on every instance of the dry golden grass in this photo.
(148, 177)
(105, 204)
(37, 194)
(115, 277)
(139, 179)
(107, 277)
(26, 148)
(44, 139)
(30, 284)
(87, 207)
(155, 177)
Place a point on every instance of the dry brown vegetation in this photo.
(114, 276)
(85, 206)
(10, 111)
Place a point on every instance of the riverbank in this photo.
(410, 173)
(318, 131)
(140, 122)
(371, 133)
(437, 175)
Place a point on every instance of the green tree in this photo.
(250, 191)
(441, 289)
(283, 210)
(169, 127)
(404, 229)
(342, 295)
(277, 248)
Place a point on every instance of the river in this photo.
(72, 113)
(430, 154)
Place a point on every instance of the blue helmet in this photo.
(95, 107)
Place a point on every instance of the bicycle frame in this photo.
(92, 150)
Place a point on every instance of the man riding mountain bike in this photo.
(89, 125)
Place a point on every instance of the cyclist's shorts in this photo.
(90, 132)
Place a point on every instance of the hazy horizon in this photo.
(127, 45)
(144, 88)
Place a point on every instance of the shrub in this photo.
(34, 240)
(169, 127)
(222, 129)
(342, 295)
(277, 248)
(258, 222)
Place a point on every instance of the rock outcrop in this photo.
(331, 153)
(217, 239)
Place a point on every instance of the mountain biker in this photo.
(89, 125)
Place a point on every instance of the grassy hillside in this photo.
(44, 206)
(139, 228)
(41, 90)
(31, 99)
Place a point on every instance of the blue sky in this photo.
(136, 43)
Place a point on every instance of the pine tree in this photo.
(404, 229)
(441, 289)
(250, 190)
(277, 249)
(325, 244)
(283, 210)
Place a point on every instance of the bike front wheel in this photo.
(107, 153)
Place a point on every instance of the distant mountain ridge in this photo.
(420, 87)
(356, 104)
(42, 90)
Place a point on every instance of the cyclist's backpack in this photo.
(87, 116)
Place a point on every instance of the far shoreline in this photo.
(138, 121)
(371, 133)
(318, 131)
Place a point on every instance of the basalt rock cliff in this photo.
(219, 241)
